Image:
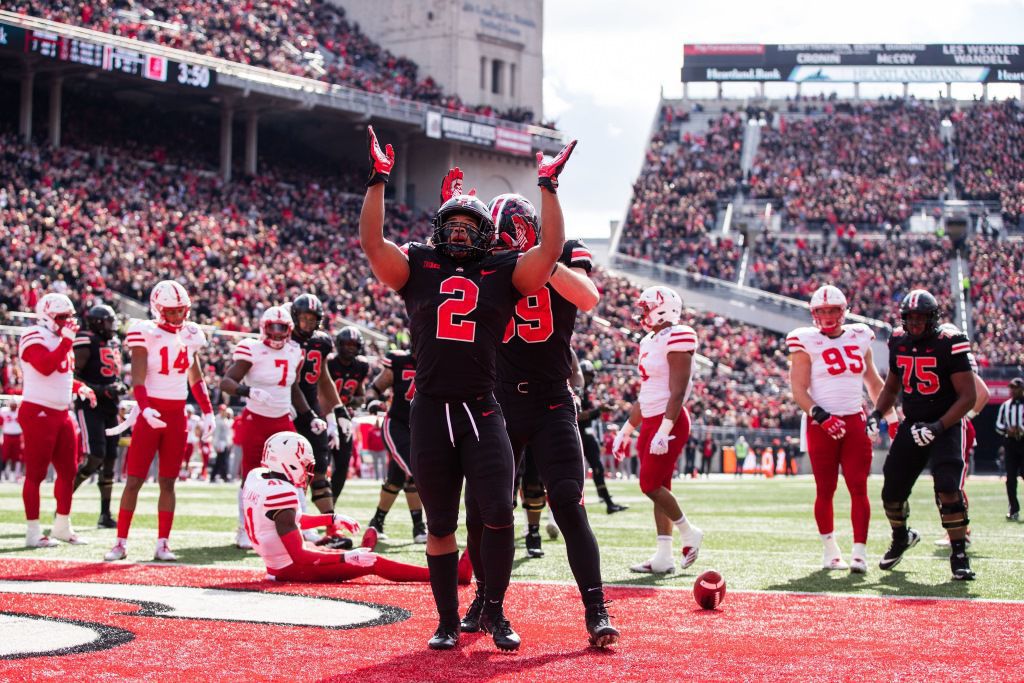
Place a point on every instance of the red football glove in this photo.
(893, 428)
(547, 173)
(381, 163)
(451, 186)
(834, 426)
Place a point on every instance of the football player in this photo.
(98, 365)
(666, 368)
(830, 363)
(47, 365)
(399, 375)
(273, 521)
(13, 445)
(930, 370)
(460, 298)
(348, 370)
(165, 368)
(320, 424)
(270, 365)
(589, 411)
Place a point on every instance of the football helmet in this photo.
(275, 327)
(656, 305)
(586, 367)
(828, 296)
(55, 311)
(516, 223)
(289, 454)
(169, 296)
(100, 320)
(920, 301)
(306, 303)
(1017, 386)
(349, 343)
(480, 235)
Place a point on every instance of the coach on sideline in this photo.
(1010, 425)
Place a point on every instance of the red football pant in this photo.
(169, 442)
(854, 453)
(49, 437)
(12, 448)
(657, 470)
(383, 567)
(255, 430)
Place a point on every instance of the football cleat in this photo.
(615, 507)
(599, 626)
(312, 536)
(833, 561)
(552, 529)
(336, 543)
(63, 531)
(533, 545)
(381, 536)
(960, 564)
(471, 622)
(39, 540)
(444, 638)
(118, 552)
(163, 552)
(896, 549)
(495, 623)
(106, 521)
(654, 566)
(691, 546)
(242, 540)
(1012, 516)
(419, 534)
(858, 565)
(370, 537)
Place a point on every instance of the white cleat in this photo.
(39, 540)
(858, 565)
(418, 538)
(691, 546)
(163, 552)
(653, 566)
(118, 552)
(72, 538)
(312, 536)
(242, 540)
(63, 531)
(834, 562)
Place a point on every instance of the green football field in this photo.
(759, 533)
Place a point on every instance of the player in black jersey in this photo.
(929, 368)
(316, 385)
(459, 298)
(98, 364)
(589, 411)
(535, 363)
(398, 375)
(348, 370)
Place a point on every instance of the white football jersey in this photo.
(837, 365)
(653, 366)
(261, 495)
(273, 371)
(170, 355)
(193, 427)
(9, 419)
(53, 390)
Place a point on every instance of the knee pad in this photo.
(321, 489)
(442, 525)
(565, 493)
(533, 495)
(388, 487)
(954, 514)
(410, 488)
(896, 511)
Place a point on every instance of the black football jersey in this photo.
(103, 367)
(458, 312)
(315, 351)
(586, 403)
(348, 378)
(925, 368)
(403, 367)
(536, 346)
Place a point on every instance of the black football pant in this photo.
(101, 451)
(342, 457)
(1014, 460)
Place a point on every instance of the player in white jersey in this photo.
(47, 364)
(270, 366)
(165, 367)
(273, 521)
(830, 363)
(665, 366)
(11, 455)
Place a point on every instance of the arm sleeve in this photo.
(302, 554)
(43, 360)
(315, 521)
(576, 254)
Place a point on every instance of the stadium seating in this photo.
(997, 302)
(990, 146)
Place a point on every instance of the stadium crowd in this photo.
(996, 297)
(990, 148)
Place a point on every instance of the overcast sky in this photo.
(605, 62)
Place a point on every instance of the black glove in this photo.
(873, 425)
(925, 432)
(303, 422)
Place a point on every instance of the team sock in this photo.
(444, 583)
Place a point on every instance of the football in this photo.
(709, 590)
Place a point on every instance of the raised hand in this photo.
(548, 171)
(381, 162)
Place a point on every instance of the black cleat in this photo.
(337, 543)
(444, 638)
(615, 507)
(533, 543)
(471, 622)
(599, 626)
(1012, 516)
(495, 623)
(106, 522)
(896, 549)
(961, 566)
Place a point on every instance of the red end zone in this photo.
(150, 622)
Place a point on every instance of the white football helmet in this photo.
(657, 305)
(276, 327)
(55, 311)
(289, 454)
(168, 294)
(824, 297)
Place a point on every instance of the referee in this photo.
(1010, 425)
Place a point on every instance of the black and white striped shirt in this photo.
(1011, 416)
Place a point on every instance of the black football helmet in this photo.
(101, 320)
(349, 343)
(516, 223)
(306, 303)
(1017, 386)
(920, 301)
(480, 235)
(586, 367)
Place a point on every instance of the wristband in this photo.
(666, 426)
(243, 390)
(341, 413)
(819, 414)
(202, 397)
(141, 396)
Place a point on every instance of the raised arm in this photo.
(387, 261)
(576, 286)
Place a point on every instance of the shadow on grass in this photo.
(895, 583)
(211, 554)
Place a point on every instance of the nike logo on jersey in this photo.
(557, 405)
(487, 413)
(484, 273)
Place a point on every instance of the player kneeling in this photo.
(272, 519)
